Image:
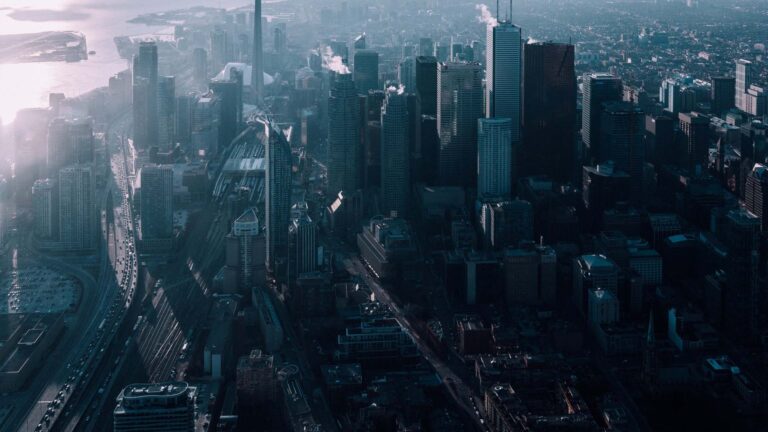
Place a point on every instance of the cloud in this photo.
(485, 15)
(41, 15)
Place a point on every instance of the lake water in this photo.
(28, 84)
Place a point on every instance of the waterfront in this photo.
(28, 84)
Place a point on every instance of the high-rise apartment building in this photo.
(77, 212)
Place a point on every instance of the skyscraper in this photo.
(459, 105)
(426, 84)
(395, 154)
(277, 192)
(304, 232)
(504, 68)
(598, 89)
(145, 96)
(366, 70)
(44, 209)
(251, 250)
(406, 74)
(168, 406)
(723, 94)
(166, 110)
(344, 143)
(622, 127)
(257, 58)
(77, 212)
(745, 76)
(156, 203)
(494, 157)
(549, 111)
(229, 94)
(695, 133)
(69, 142)
(756, 193)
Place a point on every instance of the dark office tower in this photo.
(695, 148)
(277, 192)
(373, 154)
(549, 111)
(200, 66)
(366, 71)
(166, 109)
(598, 88)
(406, 74)
(622, 127)
(459, 105)
(602, 187)
(183, 129)
(344, 145)
(426, 47)
(756, 194)
(741, 234)
(257, 58)
(228, 93)
(145, 100)
(280, 38)
(430, 150)
(236, 76)
(374, 102)
(443, 53)
(504, 70)
(395, 155)
(426, 84)
(660, 139)
(69, 142)
(77, 211)
(723, 94)
(360, 42)
(414, 137)
(156, 207)
(155, 407)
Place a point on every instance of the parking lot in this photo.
(37, 290)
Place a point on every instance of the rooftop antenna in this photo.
(509, 12)
(497, 8)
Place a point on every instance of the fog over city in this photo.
(383, 215)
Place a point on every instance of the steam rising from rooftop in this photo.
(486, 16)
(334, 62)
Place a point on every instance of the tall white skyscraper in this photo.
(77, 214)
(745, 76)
(395, 155)
(504, 69)
(494, 157)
